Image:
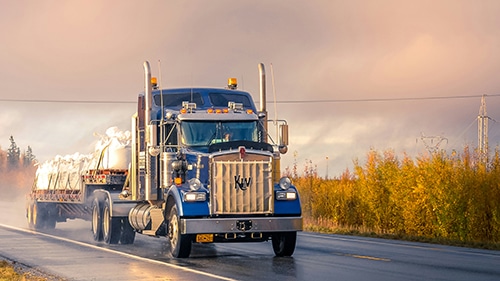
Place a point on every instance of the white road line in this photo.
(406, 244)
(120, 253)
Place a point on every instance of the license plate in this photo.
(204, 238)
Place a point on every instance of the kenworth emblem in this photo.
(242, 183)
(243, 152)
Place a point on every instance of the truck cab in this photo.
(206, 172)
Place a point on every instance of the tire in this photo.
(180, 244)
(97, 220)
(111, 227)
(36, 216)
(50, 211)
(284, 243)
(41, 215)
(127, 232)
(29, 215)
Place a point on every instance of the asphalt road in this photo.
(69, 251)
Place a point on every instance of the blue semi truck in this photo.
(202, 169)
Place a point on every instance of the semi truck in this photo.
(199, 165)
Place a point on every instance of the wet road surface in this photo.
(317, 257)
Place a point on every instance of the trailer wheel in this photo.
(128, 233)
(50, 212)
(35, 216)
(111, 227)
(97, 219)
(180, 244)
(29, 215)
(284, 243)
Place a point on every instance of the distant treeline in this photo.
(17, 170)
(452, 197)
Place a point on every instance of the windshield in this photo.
(175, 100)
(205, 133)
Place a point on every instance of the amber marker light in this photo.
(232, 83)
(154, 83)
(178, 181)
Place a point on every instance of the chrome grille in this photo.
(241, 186)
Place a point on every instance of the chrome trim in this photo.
(262, 88)
(241, 186)
(226, 225)
(122, 209)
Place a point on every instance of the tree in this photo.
(13, 154)
(29, 157)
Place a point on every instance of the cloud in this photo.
(320, 50)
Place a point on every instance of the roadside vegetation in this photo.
(8, 272)
(447, 198)
(17, 170)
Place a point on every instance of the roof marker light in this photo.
(232, 83)
(154, 83)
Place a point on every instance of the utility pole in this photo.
(432, 143)
(326, 176)
(482, 131)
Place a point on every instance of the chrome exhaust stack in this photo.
(148, 95)
(151, 148)
(263, 110)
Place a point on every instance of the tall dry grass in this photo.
(452, 197)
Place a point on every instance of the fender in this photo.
(174, 193)
(187, 209)
(101, 195)
(117, 208)
(285, 207)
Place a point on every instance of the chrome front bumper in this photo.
(234, 225)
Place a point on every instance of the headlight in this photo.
(194, 184)
(285, 183)
(195, 197)
(286, 195)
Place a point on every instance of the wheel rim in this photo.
(30, 215)
(173, 230)
(105, 222)
(95, 219)
(34, 217)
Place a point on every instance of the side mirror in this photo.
(283, 138)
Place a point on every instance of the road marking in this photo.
(405, 244)
(120, 253)
(367, 257)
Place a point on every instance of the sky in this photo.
(348, 76)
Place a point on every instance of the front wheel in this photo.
(180, 244)
(284, 243)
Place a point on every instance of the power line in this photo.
(67, 101)
(385, 99)
(279, 101)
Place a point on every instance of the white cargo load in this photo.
(112, 152)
